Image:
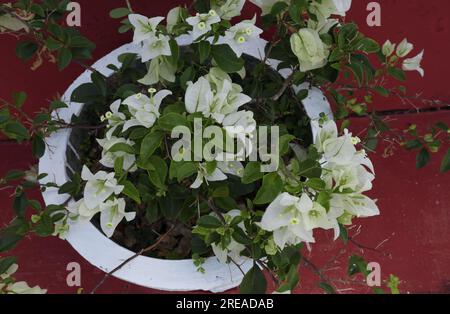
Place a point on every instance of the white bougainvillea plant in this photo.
(159, 158)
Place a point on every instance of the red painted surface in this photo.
(414, 226)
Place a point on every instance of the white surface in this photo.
(89, 242)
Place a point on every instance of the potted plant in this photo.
(200, 155)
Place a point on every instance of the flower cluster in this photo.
(8, 285)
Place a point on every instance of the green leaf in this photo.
(52, 44)
(209, 222)
(445, 165)
(252, 172)
(368, 45)
(343, 234)
(6, 263)
(131, 191)
(327, 288)
(271, 187)
(119, 13)
(171, 120)
(19, 99)
(253, 282)
(122, 147)
(38, 146)
(64, 58)
(382, 91)
(150, 143)
(284, 143)
(204, 50)
(159, 174)
(15, 130)
(226, 59)
(356, 264)
(397, 74)
(241, 237)
(26, 49)
(84, 93)
(423, 158)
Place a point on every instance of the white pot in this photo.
(100, 251)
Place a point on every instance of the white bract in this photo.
(112, 213)
(404, 48)
(9, 286)
(115, 117)
(201, 23)
(266, 5)
(203, 175)
(143, 109)
(388, 48)
(109, 158)
(325, 8)
(243, 36)
(227, 9)
(144, 27)
(414, 64)
(155, 46)
(284, 218)
(311, 52)
(99, 187)
(160, 69)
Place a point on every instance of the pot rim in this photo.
(88, 241)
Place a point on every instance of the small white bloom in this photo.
(199, 96)
(22, 287)
(202, 175)
(404, 48)
(311, 52)
(144, 109)
(201, 23)
(284, 218)
(413, 64)
(160, 69)
(108, 158)
(241, 122)
(231, 167)
(227, 9)
(115, 118)
(266, 5)
(99, 187)
(144, 27)
(355, 204)
(242, 36)
(388, 48)
(155, 46)
(112, 213)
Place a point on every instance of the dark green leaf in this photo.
(254, 282)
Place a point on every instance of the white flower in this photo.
(99, 187)
(355, 204)
(241, 122)
(284, 218)
(173, 18)
(266, 5)
(388, 48)
(311, 52)
(325, 8)
(144, 110)
(112, 213)
(160, 69)
(155, 46)
(201, 23)
(322, 26)
(316, 217)
(31, 175)
(413, 64)
(80, 211)
(199, 96)
(202, 175)
(234, 249)
(108, 158)
(115, 117)
(227, 9)
(404, 48)
(22, 287)
(242, 36)
(339, 150)
(352, 177)
(227, 100)
(144, 27)
(61, 229)
(231, 167)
